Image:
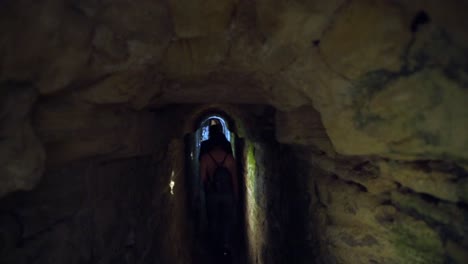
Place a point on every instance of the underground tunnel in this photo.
(347, 120)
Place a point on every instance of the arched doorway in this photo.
(202, 131)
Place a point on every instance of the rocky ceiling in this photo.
(389, 78)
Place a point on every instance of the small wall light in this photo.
(172, 183)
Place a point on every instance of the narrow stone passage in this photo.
(204, 251)
(347, 119)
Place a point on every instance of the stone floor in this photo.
(203, 251)
(205, 255)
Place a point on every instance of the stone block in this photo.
(194, 57)
(364, 36)
(301, 126)
(200, 18)
(73, 131)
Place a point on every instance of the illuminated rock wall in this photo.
(369, 209)
(98, 202)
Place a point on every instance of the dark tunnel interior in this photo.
(346, 119)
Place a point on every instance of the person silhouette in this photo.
(221, 202)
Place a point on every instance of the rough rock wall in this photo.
(388, 77)
(22, 155)
(276, 211)
(397, 86)
(97, 212)
(71, 130)
(370, 209)
(388, 211)
(105, 196)
(257, 175)
(279, 214)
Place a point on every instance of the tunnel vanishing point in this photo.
(350, 117)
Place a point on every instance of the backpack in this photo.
(221, 180)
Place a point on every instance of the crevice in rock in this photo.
(327, 64)
(442, 220)
(425, 197)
